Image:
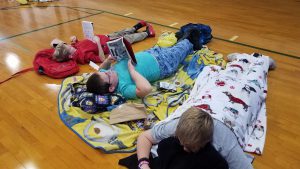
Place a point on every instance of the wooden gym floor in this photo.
(32, 136)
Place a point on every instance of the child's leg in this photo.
(121, 33)
(139, 25)
(136, 37)
(170, 58)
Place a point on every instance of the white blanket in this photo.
(235, 96)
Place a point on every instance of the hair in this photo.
(61, 53)
(195, 128)
(95, 84)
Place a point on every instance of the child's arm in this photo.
(144, 144)
(143, 87)
(101, 53)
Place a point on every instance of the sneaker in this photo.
(181, 36)
(150, 30)
(194, 38)
(139, 25)
(178, 35)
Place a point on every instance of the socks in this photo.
(139, 25)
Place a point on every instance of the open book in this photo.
(121, 49)
(88, 30)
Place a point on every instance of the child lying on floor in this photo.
(153, 64)
(233, 97)
(86, 50)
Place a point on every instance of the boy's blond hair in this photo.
(195, 129)
(61, 53)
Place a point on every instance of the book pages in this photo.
(119, 49)
(88, 30)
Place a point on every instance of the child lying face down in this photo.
(193, 134)
(194, 129)
(190, 148)
(86, 50)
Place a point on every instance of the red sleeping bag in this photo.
(44, 64)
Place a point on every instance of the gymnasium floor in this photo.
(32, 136)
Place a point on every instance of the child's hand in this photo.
(110, 58)
(130, 65)
(73, 39)
(145, 166)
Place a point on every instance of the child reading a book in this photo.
(152, 65)
(86, 50)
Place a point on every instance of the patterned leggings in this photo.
(170, 58)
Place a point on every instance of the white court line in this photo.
(173, 24)
(128, 14)
(233, 38)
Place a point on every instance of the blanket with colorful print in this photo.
(95, 129)
(235, 96)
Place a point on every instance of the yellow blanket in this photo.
(95, 130)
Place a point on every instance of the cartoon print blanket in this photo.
(235, 96)
(95, 129)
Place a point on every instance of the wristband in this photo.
(142, 163)
(143, 159)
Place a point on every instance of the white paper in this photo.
(88, 30)
(94, 65)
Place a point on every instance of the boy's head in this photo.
(102, 82)
(62, 52)
(194, 129)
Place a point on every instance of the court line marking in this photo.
(234, 38)
(35, 30)
(128, 14)
(173, 24)
(103, 11)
